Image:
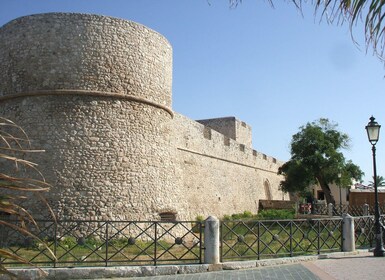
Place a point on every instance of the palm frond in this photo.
(371, 12)
(16, 184)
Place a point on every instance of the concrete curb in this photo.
(139, 271)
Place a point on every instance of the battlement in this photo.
(232, 128)
(217, 138)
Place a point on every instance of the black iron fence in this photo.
(112, 243)
(364, 231)
(272, 239)
(339, 209)
(103, 243)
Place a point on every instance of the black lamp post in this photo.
(373, 130)
(339, 184)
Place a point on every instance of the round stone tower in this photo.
(95, 93)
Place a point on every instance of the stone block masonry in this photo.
(95, 93)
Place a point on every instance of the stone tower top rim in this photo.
(84, 15)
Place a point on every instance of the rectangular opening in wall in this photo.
(207, 132)
(264, 156)
(226, 141)
(167, 217)
(241, 147)
(274, 160)
(255, 153)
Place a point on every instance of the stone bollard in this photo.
(330, 209)
(348, 243)
(365, 209)
(212, 242)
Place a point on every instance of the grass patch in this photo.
(270, 214)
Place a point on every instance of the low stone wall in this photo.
(141, 271)
(276, 204)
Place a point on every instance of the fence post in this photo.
(365, 209)
(330, 209)
(348, 243)
(212, 241)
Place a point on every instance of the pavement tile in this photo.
(287, 272)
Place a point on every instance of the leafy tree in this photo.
(350, 11)
(316, 159)
(16, 187)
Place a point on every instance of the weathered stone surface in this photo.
(166, 270)
(228, 179)
(188, 269)
(239, 265)
(148, 270)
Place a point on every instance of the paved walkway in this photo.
(354, 267)
(289, 272)
(363, 266)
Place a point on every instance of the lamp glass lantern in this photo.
(373, 130)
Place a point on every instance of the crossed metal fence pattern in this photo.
(272, 239)
(320, 209)
(103, 243)
(364, 231)
(339, 209)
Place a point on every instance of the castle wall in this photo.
(219, 175)
(95, 93)
(232, 128)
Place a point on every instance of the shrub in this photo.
(276, 214)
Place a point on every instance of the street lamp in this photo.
(339, 184)
(373, 130)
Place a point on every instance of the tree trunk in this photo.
(327, 192)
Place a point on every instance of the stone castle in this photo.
(95, 93)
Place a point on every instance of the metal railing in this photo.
(104, 243)
(364, 231)
(339, 209)
(114, 243)
(283, 238)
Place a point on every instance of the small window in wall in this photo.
(255, 153)
(241, 147)
(167, 216)
(266, 185)
(207, 133)
(274, 160)
(226, 141)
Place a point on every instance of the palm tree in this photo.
(380, 182)
(350, 11)
(14, 187)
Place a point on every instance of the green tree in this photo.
(316, 159)
(372, 12)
